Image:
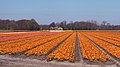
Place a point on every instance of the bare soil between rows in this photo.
(34, 61)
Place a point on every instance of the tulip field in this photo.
(70, 46)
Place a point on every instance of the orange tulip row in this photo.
(65, 51)
(16, 36)
(13, 48)
(13, 42)
(114, 34)
(41, 36)
(18, 33)
(45, 48)
(5, 35)
(113, 50)
(110, 35)
(105, 37)
(89, 51)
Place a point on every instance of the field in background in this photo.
(82, 47)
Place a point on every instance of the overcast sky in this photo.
(47, 11)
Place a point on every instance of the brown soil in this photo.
(10, 61)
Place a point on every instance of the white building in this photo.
(56, 29)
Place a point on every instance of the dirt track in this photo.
(8, 61)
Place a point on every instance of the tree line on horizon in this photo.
(19, 25)
(78, 25)
(82, 25)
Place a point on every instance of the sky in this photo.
(47, 11)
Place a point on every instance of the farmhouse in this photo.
(56, 29)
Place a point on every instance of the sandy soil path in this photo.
(8, 61)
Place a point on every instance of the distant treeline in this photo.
(78, 25)
(19, 25)
(83, 25)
